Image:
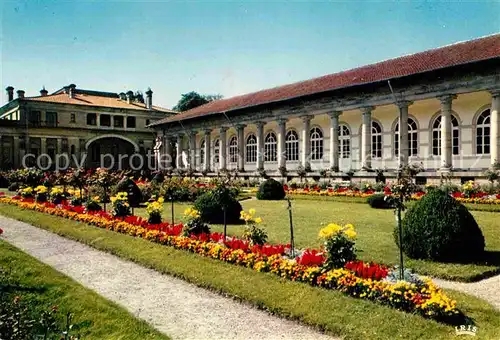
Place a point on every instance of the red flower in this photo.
(370, 270)
(1, 231)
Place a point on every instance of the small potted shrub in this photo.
(92, 204)
(57, 195)
(194, 224)
(154, 210)
(121, 207)
(339, 244)
(42, 193)
(253, 234)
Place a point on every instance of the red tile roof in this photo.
(95, 100)
(451, 55)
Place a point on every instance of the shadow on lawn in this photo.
(490, 258)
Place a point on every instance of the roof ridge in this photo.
(362, 66)
(451, 55)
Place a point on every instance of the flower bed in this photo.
(420, 296)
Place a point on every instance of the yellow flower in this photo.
(252, 211)
(258, 220)
(330, 230)
(350, 234)
(161, 200)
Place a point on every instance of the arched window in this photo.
(270, 148)
(251, 146)
(483, 133)
(412, 138)
(376, 140)
(233, 150)
(292, 146)
(316, 143)
(436, 136)
(217, 151)
(344, 142)
(202, 152)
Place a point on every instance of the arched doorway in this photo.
(112, 152)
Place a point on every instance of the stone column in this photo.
(403, 133)
(192, 149)
(16, 152)
(306, 144)
(43, 149)
(43, 145)
(207, 159)
(59, 146)
(179, 161)
(446, 147)
(366, 138)
(334, 140)
(282, 142)
(260, 145)
(241, 147)
(223, 149)
(495, 128)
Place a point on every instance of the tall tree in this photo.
(193, 99)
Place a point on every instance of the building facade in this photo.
(81, 124)
(438, 108)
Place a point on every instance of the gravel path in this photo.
(173, 306)
(487, 289)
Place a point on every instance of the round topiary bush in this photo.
(440, 228)
(378, 201)
(134, 193)
(210, 206)
(271, 189)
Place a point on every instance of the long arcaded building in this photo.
(447, 98)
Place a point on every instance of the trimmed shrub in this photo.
(210, 207)
(440, 228)
(378, 201)
(271, 189)
(134, 193)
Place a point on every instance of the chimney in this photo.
(72, 90)
(122, 96)
(20, 94)
(149, 99)
(43, 92)
(10, 93)
(130, 97)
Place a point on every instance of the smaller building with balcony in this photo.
(83, 124)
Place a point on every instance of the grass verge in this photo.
(108, 320)
(328, 310)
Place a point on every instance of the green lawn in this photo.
(108, 320)
(374, 226)
(331, 311)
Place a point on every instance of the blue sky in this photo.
(229, 48)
